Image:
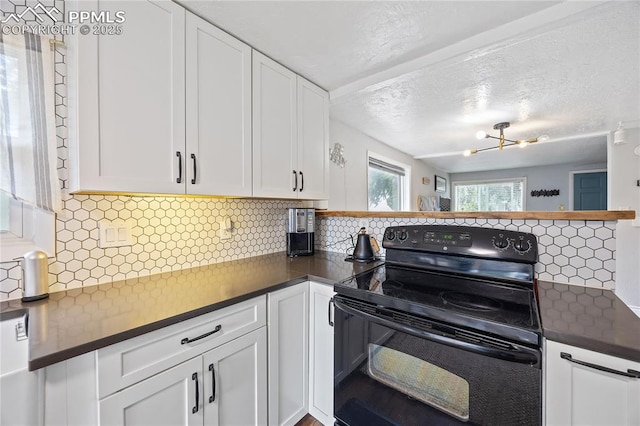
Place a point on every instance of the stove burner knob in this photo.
(403, 235)
(522, 245)
(390, 235)
(501, 243)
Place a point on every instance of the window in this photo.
(387, 184)
(27, 146)
(493, 196)
(24, 228)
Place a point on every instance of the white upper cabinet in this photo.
(218, 111)
(313, 140)
(290, 133)
(129, 101)
(275, 147)
(170, 106)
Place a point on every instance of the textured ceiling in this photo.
(424, 76)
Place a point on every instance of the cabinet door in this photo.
(275, 168)
(321, 353)
(235, 384)
(313, 140)
(583, 395)
(218, 111)
(168, 398)
(130, 112)
(288, 337)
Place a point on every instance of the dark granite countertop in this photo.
(590, 318)
(77, 321)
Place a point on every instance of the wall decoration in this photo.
(426, 181)
(336, 155)
(441, 184)
(545, 193)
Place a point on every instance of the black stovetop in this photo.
(501, 309)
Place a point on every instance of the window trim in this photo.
(454, 200)
(38, 233)
(405, 202)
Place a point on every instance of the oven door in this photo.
(391, 368)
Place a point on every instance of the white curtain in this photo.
(28, 147)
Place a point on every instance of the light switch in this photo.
(114, 234)
(226, 227)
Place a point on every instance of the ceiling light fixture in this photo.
(504, 142)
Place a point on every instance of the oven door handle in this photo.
(516, 354)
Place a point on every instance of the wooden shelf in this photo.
(607, 215)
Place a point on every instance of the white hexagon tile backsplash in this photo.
(574, 252)
(168, 233)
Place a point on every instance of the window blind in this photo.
(386, 167)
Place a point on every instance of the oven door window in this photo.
(419, 379)
(385, 375)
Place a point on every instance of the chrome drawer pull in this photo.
(187, 340)
(629, 373)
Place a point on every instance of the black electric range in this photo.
(476, 278)
(445, 332)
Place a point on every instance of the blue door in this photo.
(590, 191)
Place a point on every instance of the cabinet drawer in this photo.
(131, 361)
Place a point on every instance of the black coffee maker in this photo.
(300, 232)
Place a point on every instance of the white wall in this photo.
(624, 173)
(349, 184)
(548, 177)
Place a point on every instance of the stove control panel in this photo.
(486, 243)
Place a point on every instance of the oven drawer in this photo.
(411, 372)
(133, 360)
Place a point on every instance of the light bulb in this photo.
(523, 144)
(481, 134)
(468, 152)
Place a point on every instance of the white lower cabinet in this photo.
(589, 388)
(221, 368)
(225, 386)
(168, 398)
(235, 382)
(321, 352)
(288, 330)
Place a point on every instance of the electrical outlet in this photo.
(363, 223)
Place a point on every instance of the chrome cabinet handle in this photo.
(629, 373)
(188, 340)
(179, 155)
(213, 384)
(195, 170)
(194, 376)
(295, 177)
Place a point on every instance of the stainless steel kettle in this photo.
(364, 250)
